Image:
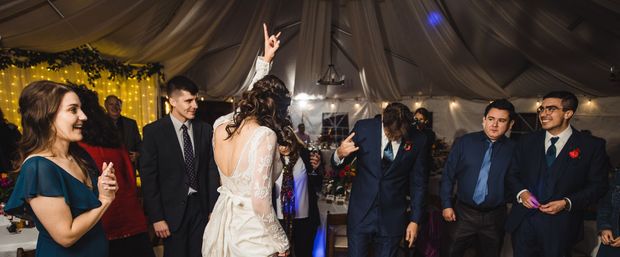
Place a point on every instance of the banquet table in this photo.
(9, 243)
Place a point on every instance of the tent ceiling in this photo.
(477, 49)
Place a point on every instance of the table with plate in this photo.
(9, 243)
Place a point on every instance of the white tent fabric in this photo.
(434, 50)
(476, 49)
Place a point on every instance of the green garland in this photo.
(89, 59)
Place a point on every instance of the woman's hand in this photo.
(284, 254)
(272, 43)
(107, 183)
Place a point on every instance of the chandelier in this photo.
(331, 76)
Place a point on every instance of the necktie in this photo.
(481, 190)
(550, 155)
(388, 155)
(188, 151)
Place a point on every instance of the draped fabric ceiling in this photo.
(388, 49)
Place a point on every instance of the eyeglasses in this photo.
(549, 109)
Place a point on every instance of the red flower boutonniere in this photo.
(575, 153)
(408, 146)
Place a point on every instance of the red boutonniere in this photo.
(575, 153)
(408, 146)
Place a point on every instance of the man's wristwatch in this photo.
(567, 204)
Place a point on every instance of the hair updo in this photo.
(268, 102)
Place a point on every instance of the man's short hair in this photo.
(569, 100)
(424, 112)
(502, 104)
(107, 98)
(179, 83)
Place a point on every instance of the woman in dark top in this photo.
(9, 135)
(54, 185)
(124, 222)
(608, 220)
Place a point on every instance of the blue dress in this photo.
(40, 176)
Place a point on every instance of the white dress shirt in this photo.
(562, 139)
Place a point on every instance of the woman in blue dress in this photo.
(54, 185)
(608, 220)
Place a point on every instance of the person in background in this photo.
(127, 128)
(302, 174)
(55, 186)
(477, 164)
(301, 133)
(421, 118)
(124, 223)
(391, 164)
(9, 136)
(608, 220)
(555, 174)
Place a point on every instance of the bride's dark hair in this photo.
(268, 102)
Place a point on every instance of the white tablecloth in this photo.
(320, 239)
(9, 243)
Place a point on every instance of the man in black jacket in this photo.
(179, 177)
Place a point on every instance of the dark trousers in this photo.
(303, 237)
(482, 229)
(133, 246)
(186, 241)
(360, 238)
(534, 238)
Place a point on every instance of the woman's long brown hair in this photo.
(268, 102)
(38, 105)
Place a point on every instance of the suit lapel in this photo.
(375, 145)
(397, 158)
(560, 164)
(169, 132)
(197, 129)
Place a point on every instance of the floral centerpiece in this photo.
(6, 188)
(339, 183)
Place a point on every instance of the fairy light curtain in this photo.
(139, 97)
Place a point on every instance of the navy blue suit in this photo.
(582, 178)
(480, 225)
(378, 205)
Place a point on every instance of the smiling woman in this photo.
(54, 184)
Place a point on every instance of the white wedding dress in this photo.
(243, 221)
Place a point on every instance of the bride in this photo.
(243, 221)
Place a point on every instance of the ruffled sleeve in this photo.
(41, 177)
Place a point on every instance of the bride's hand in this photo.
(272, 43)
(284, 254)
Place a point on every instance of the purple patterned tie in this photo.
(188, 151)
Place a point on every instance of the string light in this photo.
(142, 109)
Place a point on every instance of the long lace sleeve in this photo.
(261, 69)
(262, 161)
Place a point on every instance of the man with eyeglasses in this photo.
(556, 173)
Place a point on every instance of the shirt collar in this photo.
(177, 123)
(564, 135)
(483, 137)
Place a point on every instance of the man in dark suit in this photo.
(556, 173)
(179, 178)
(128, 128)
(390, 165)
(478, 163)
